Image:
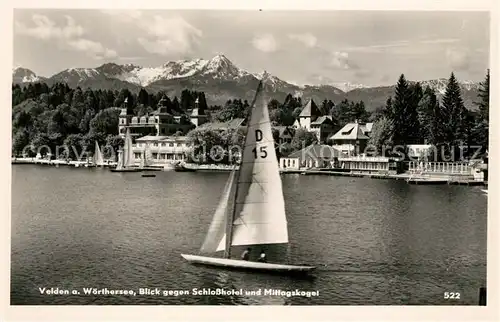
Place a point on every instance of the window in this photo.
(170, 156)
(155, 144)
(179, 144)
(162, 156)
(163, 144)
(170, 144)
(155, 155)
(288, 162)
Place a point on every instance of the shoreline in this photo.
(427, 179)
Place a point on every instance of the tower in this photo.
(197, 116)
(124, 118)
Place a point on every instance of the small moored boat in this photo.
(126, 157)
(180, 167)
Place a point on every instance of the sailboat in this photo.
(257, 215)
(98, 158)
(126, 157)
(146, 160)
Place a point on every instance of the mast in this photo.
(230, 219)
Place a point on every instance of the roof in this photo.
(232, 124)
(317, 152)
(322, 119)
(310, 110)
(159, 138)
(351, 131)
(282, 129)
(161, 111)
(367, 127)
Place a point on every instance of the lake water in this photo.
(377, 242)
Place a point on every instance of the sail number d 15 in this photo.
(261, 152)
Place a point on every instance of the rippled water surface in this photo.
(375, 241)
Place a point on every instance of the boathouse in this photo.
(367, 164)
(313, 156)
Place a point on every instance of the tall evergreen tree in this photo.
(398, 113)
(481, 129)
(455, 132)
(143, 97)
(411, 114)
(425, 111)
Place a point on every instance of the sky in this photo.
(301, 47)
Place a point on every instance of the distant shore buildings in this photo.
(164, 134)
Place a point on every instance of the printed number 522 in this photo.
(452, 295)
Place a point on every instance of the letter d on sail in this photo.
(258, 135)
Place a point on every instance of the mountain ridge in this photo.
(221, 80)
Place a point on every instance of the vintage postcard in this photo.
(330, 157)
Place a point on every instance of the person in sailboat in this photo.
(246, 254)
(262, 257)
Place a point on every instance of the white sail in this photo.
(217, 228)
(119, 165)
(128, 153)
(143, 164)
(259, 214)
(148, 156)
(99, 160)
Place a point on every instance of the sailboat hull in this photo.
(125, 170)
(246, 265)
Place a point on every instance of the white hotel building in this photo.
(163, 149)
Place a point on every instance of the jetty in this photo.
(76, 164)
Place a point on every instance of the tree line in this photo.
(58, 115)
(414, 115)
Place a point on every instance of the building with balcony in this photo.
(163, 149)
(162, 122)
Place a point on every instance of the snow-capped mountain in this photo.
(221, 80)
(347, 86)
(439, 85)
(24, 75)
(77, 75)
(219, 67)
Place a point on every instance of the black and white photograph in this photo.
(251, 157)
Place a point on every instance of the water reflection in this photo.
(375, 241)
